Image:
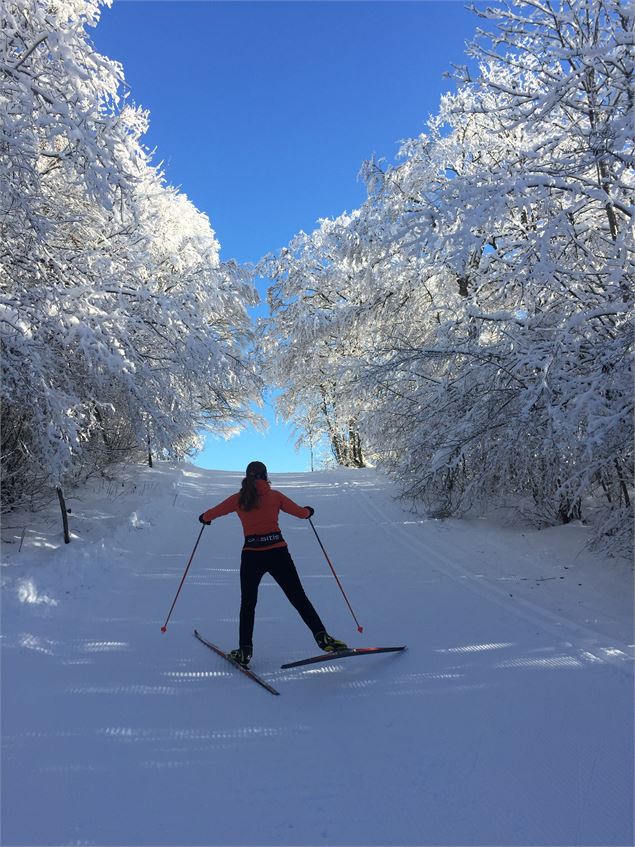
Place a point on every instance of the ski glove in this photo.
(311, 510)
(200, 517)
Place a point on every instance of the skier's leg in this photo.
(283, 570)
(252, 570)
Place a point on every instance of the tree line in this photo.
(468, 328)
(122, 333)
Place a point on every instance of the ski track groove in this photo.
(444, 562)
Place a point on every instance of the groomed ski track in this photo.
(503, 723)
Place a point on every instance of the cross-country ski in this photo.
(247, 671)
(342, 654)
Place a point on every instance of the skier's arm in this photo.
(225, 508)
(287, 505)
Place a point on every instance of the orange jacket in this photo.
(263, 518)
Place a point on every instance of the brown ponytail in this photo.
(248, 497)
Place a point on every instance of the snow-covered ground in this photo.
(509, 720)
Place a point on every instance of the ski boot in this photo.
(329, 644)
(242, 655)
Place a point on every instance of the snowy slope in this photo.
(507, 721)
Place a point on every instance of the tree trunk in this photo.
(60, 497)
(568, 511)
(355, 442)
(337, 447)
(623, 485)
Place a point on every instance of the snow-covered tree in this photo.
(308, 308)
(121, 330)
(474, 313)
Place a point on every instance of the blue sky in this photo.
(263, 113)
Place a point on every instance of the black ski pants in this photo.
(254, 564)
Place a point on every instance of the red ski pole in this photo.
(165, 625)
(326, 556)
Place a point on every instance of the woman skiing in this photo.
(265, 551)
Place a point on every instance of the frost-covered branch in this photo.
(473, 315)
(120, 327)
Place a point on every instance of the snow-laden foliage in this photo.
(305, 312)
(473, 316)
(120, 327)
